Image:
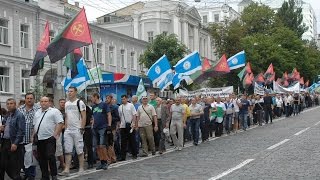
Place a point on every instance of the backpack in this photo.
(88, 113)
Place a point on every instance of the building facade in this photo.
(145, 21)
(21, 25)
(218, 14)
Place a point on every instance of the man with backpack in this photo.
(101, 127)
(74, 129)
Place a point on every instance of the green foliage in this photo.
(162, 44)
(39, 89)
(266, 39)
(291, 17)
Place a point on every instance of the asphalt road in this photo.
(287, 149)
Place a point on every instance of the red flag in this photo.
(301, 81)
(271, 78)
(285, 76)
(41, 53)
(205, 65)
(259, 78)
(285, 83)
(74, 35)
(222, 65)
(306, 84)
(269, 71)
(297, 76)
(279, 81)
(247, 81)
(248, 68)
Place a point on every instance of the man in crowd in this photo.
(267, 99)
(48, 124)
(13, 128)
(153, 101)
(146, 114)
(195, 112)
(163, 122)
(278, 105)
(28, 110)
(128, 124)
(74, 128)
(235, 102)
(229, 114)
(187, 133)
(114, 125)
(101, 126)
(206, 120)
(59, 151)
(244, 110)
(177, 114)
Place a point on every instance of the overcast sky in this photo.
(96, 8)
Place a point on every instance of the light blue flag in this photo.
(167, 81)
(189, 64)
(313, 87)
(159, 70)
(237, 61)
(177, 78)
(81, 81)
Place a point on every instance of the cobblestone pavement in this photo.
(287, 149)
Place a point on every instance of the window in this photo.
(86, 56)
(51, 35)
(216, 18)
(150, 36)
(132, 60)
(3, 31)
(99, 53)
(123, 58)
(25, 81)
(165, 33)
(4, 79)
(106, 19)
(111, 55)
(205, 19)
(24, 33)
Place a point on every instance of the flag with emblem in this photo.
(141, 90)
(80, 81)
(95, 74)
(259, 78)
(74, 35)
(41, 53)
(159, 70)
(72, 60)
(167, 81)
(205, 65)
(237, 61)
(189, 64)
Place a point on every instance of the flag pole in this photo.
(96, 63)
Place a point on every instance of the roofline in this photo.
(121, 9)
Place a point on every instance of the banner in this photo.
(258, 89)
(215, 92)
(280, 89)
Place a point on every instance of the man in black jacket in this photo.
(13, 128)
(267, 107)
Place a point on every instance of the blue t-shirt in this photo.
(100, 115)
(245, 105)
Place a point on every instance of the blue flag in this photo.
(159, 70)
(237, 61)
(81, 81)
(167, 81)
(177, 78)
(189, 64)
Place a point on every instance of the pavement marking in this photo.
(302, 131)
(316, 124)
(278, 144)
(232, 169)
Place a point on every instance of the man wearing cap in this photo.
(146, 114)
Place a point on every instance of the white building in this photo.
(146, 20)
(21, 25)
(219, 14)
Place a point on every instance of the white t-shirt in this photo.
(126, 113)
(49, 122)
(73, 115)
(236, 107)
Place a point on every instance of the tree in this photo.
(163, 44)
(290, 15)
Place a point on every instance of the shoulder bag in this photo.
(35, 137)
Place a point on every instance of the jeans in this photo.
(295, 109)
(243, 116)
(99, 137)
(195, 124)
(228, 122)
(46, 154)
(187, 133)
(267, 114)
(259, 115)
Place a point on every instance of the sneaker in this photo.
(179, 148)
(64, 173)
(104, 166)
(99, 167)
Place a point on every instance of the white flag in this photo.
(141, 91)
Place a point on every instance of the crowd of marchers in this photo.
(82, 135)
